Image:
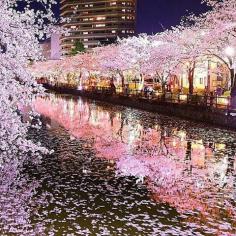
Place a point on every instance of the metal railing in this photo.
(211, 101)
(207, 100)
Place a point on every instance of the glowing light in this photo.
(183, 97)
(230, 51)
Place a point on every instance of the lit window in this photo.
(101, 18)
(100, 25)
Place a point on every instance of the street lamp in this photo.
(230, 51)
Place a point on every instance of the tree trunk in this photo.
(190, 78)
(142, 79)
(233, 82)
(163, 88)
(141, 76)
(122, 81)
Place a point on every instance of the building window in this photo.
(101, 18)
(100, 25)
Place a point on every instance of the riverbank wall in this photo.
(216, 117)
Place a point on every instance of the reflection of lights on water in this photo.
(198, 154)
(93, 118)
(80, 104)
(134, 134)
(174, 143)
(182, 135)
(220, 146)
(64, 107)
(71, 108)
(219, 170)
(109, 167)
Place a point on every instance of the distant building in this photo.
(97, 22)
(46, 49)
(55, 46)
(51, 48)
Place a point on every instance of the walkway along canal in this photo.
(213, 110)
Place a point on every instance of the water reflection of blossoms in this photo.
(179, 166)
(17, 199)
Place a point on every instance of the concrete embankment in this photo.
(217, 117)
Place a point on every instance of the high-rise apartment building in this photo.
(97, 22)
(51, 49)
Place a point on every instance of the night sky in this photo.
(155, 15)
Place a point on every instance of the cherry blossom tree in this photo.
(179, 50)
(113, 61)
(136, 50)
(188, 49)
(21, 28)
(19, 41)
(163, 60)
(219, 30)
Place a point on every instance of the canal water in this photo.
(120, 171)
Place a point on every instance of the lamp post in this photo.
(208, 76)
(230, 53)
